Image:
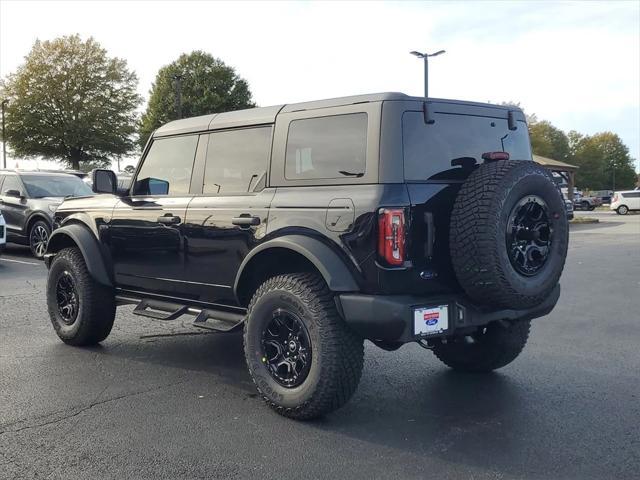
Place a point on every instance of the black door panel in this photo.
(215, 244)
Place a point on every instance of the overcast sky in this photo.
(576, 64)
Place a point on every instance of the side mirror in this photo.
(152, 186)
(104, 181)
(13, 193)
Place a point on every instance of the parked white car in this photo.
(623, 202)
(3, 234)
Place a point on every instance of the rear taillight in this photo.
(614, 199)
(391, 235)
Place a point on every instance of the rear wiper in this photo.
(351, 174)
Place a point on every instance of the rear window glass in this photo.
(237, 160)
(429, 149)
(327, 147)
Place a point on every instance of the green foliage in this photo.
(549, 141)
(69, 101)
(208, 86)
(603, 159)
(604, 162)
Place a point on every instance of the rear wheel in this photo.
(39, 238)
(81, 310)
(622, 210)
(488, 349)
(302, 357)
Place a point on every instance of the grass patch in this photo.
(580, 220)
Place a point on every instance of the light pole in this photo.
(4, 139)
(426, 56)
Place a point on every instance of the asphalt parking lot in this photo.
(160, 400)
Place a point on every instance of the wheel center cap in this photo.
(292, 346)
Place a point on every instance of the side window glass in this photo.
(237, 160)
(167, 167)
(11, 182)
(327, 147)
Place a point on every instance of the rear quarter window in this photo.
(430, 148)
(327, 147)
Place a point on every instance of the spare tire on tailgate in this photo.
(509, 234)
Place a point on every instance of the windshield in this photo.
(39, 186)
(430, 149)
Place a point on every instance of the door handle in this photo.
(169, 219)
(246, 220)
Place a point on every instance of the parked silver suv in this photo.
(28, 200)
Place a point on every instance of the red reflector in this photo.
(495, 156)
(391, 235)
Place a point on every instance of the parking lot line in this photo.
(18, 261)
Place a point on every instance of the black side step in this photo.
(218, 320)
(159, 310)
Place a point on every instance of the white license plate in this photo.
(430, 320)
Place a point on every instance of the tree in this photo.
(604, 163)
(69, 101)
(208, 85)
(548, 141)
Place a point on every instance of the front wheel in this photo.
(490, 348)
(81, 310)
(302, 357)
(39, 238)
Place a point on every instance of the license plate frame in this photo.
(430, 320)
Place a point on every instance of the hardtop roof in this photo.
(267, 115)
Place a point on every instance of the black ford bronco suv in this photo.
(317, 225)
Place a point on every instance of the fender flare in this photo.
(332, 268)
(88, 245)
(34, 217)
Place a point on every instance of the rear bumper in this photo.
(390, 318)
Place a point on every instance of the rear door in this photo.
(146, 233)
(228, 216)
(13, 208)
(633, 200)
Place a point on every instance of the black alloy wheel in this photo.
(39, 238)
(67, 298)
(286, 348)
(529, 235)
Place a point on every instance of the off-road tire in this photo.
(495, 346)
(479, 220)
(337, 352)
(622, 210)
(96, 302)
(38, 226)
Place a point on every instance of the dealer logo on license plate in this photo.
(431, 320)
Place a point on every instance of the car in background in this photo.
(625, 201)
(124, 180)
(568, 206)
(603, 195)
(77, 173)
(28, 200)
(3, 234)
(583, 202)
